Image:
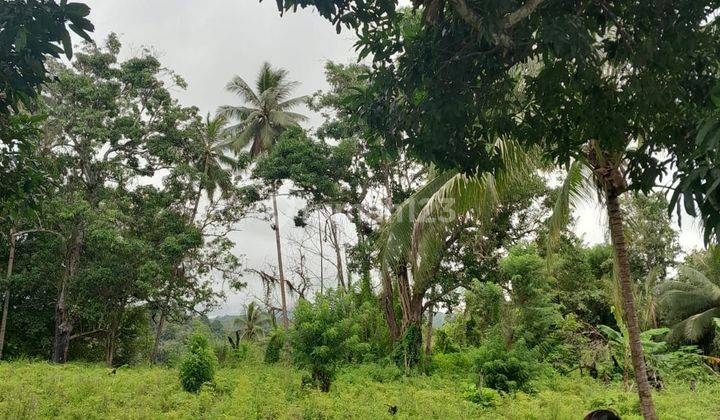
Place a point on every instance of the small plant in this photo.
(485, 397)
(274, 346)
(198, 366)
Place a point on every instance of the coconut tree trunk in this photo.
(198, 195)
(283, 301)
(615, 218)
(6, 298)
(387, 304)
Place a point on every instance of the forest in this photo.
(435, 268)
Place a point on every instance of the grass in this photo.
(32, 390)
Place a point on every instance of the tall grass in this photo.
(32, 390)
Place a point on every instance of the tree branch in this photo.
(476, 22)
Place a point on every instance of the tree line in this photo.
(441, 153)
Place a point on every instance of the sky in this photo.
(208, 42)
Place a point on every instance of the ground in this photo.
(35, 390)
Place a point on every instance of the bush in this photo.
(408, 350)
(324, 336)
(506, 370)
(274, 346)
(485, 397)
(198, 366)
(443, 342)
(459, 364)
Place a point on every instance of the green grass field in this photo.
(32, 390)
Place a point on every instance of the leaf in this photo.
(715, 95)
(77, 9)
(84, 35)
(67, 43)
(689, 204)
(21, 39)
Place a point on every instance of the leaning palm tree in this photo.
(601, 174)
(423, 226)
(694, 301)
(265, 114)
(254, 324)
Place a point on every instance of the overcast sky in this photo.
(208, 42)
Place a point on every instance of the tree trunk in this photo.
(615, 218)
(6, 298)
(322, 274)
(338, 254)
(63, 327)
(387, 304)
(110, 349)
(158, 332)
(198, 195)
(286, 322)
(428, 337)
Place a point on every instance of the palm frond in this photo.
(239, 86)
(240, 113)
(693, 328)
(577, 187)
(396, 233)
(285, 119)
(292, 103)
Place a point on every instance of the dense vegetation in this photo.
(439, 190)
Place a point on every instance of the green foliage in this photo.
(267, 110)
(507, 370)
(274, 346)
(692, 302)
(199, 364)
(407, 352)
(325, 335)
(443, 343)
(266, 391)
(484, 397)
(30, 33)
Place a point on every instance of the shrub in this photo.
(274, 346)
(443, 342)
(408, 350)
(198, 366)
(506, 370)
(324, 336)
(453, 364)
(485, 397)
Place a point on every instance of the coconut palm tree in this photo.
(213, 163)
(214, 168)
(266, 113)
(601, 174)
(254, 324)
(423, 226)
(694, 300)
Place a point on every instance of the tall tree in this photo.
(109, 123)
(266, 114)
(200, 167)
